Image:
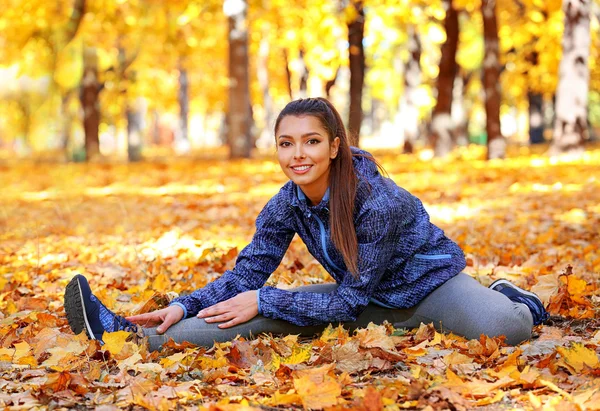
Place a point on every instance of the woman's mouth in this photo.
(301, 169)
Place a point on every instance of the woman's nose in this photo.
(299, 153)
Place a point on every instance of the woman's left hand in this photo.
(239, 309)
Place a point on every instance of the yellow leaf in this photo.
(278, 399)
(578, 356)
(375, 336)
(6, 354)
(490, 400)
(161, 283)
(114, 342)
(173, 359)
(317, 396)
(300, 354)
(206, 363)
(21, 350)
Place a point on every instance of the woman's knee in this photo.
(514, 323)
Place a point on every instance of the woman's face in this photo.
(305, 153)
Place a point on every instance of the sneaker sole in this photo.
(75, 309)
(511, 285)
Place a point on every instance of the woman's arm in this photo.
(254, 265)
(377, 238)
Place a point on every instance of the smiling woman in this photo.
(389, 261)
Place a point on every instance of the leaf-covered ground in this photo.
(141, 231)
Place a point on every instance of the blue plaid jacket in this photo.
(402, 256)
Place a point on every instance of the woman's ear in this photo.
(335, 145)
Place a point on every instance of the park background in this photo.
(136, 148)
(123, 78)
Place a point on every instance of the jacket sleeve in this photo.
(375, 249)
(255, 263)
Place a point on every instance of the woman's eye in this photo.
(285, 144)
(313, 141)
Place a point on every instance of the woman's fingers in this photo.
(219, 318)
(145, 319)
(214, 310)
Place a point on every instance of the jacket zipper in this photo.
(324, 241)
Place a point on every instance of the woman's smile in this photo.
(305, 151)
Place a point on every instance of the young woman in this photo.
(374, 238)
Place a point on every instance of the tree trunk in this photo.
(536, 118)
(330, 83)
(183, 98)
(90, 89)
(263, 80)
(134, 132)
(356, 54)
(496, 144)
(461, 109)
(182, 142)
(288, 74)
(412, 81)
(303, 83)
(239, 113)
(441, 122)
(570, 127)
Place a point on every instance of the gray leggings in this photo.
(460, 305)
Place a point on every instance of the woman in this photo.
(374, 238)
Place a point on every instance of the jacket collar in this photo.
(299, 198)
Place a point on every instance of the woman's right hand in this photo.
(163, 318)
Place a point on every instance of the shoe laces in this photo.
(120, 323)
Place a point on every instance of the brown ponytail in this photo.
(342, 177)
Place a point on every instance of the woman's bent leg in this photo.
(463, 306)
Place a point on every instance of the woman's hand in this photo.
(239, 309)
(164, 318)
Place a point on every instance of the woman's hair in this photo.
(342, 177)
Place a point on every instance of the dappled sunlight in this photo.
(448, 214)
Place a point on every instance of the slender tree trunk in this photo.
(571, 125)
(461, 109)
(304, 72)
(66, 120)
(263, 80)
(239, 113)
(288, 74)
(356, 54)
(182, 142)
(90, 89)
(330, 83)
(496, 143)
(155, 127)
(134, 131)
(536, 118)
(183, 98)
(442, 127)
(412, 81)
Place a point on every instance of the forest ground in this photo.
(140, 231)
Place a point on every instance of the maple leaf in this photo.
(317, 395)
(375, 336)
(577, 357)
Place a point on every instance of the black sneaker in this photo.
(85, 312)
(519, 295)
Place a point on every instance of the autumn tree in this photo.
(496, 144)
(412, 81)
(441, 123)
(356, 57)
(239, 114)
(571, 128)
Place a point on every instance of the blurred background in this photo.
(88, 80)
